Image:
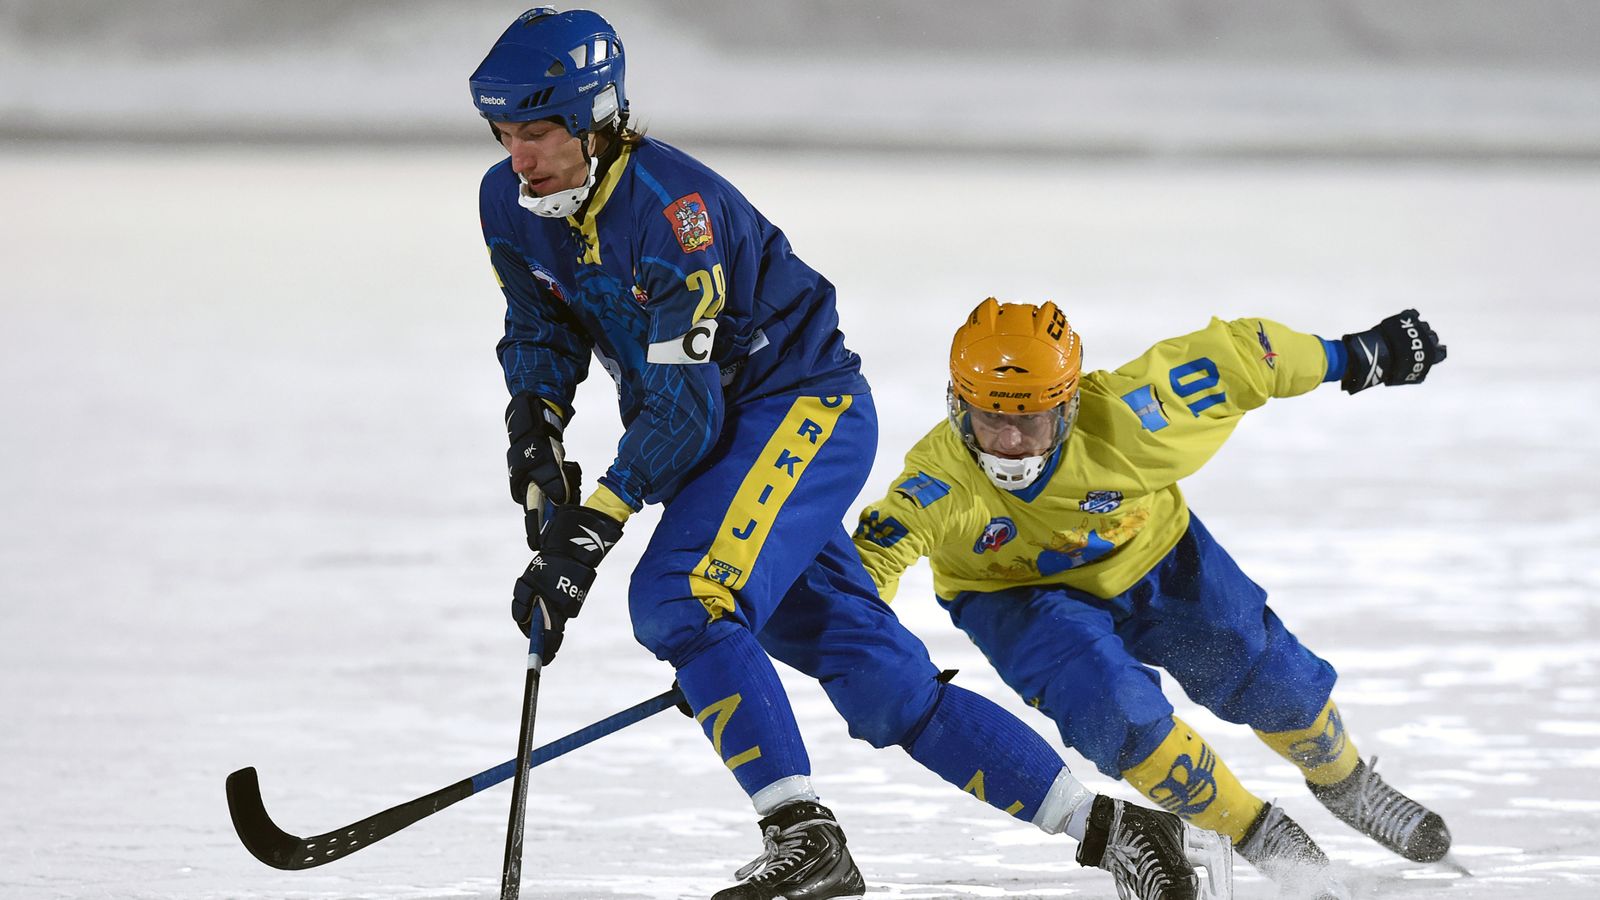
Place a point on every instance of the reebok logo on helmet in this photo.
(487, 100)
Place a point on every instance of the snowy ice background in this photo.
(253, 504)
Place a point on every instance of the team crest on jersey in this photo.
(549, 281)
(1268, 355)
(1100, 502)
(641, 296)
(721, 572)
(996, 534)
(691, 224)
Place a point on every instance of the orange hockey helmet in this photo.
(1015, 358)
(1013, 395)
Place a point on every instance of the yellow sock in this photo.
(1185, 776)
(1322, 751)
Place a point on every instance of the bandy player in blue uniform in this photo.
(748, 419)
(1049, 507)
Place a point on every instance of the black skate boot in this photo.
(1145, 850)
(1281, 850)
(1367, 803)
(804, 859)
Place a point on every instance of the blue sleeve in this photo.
(544, 350)
(680, 420)
(1336, 359)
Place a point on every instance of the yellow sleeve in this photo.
(1170, 410)
(908, 523)
(1228, 368)
(609, 503)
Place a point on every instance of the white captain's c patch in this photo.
(687, 349)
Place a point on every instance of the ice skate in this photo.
(1367, 803)
(1281, 850)
(804, 859)
(1152, 854)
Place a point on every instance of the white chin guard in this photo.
(1011, 474)
(560, 204)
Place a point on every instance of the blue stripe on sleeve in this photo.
(650, 182)
(1337, 360)
(666, 264)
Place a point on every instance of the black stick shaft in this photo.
(511, 870)
(281, 850)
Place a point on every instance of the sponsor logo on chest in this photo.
(1100, 502)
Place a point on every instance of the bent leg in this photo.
(1058, 650)
(744, 526)
(833, 627)
(1198, 616)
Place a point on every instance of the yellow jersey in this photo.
(1107, 507)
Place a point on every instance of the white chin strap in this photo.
(560, 204)
(1011, 474)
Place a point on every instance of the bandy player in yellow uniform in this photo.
(1049, 507)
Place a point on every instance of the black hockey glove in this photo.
(537, 460)
(1144, 849)
(1401, 349)
(553, 588)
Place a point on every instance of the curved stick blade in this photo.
(259, 834)
(282, 850)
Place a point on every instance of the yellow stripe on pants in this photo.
(755, 507)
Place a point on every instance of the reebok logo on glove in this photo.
(1402, 349)
(1419, 351)
(566, 586)
(593, 543)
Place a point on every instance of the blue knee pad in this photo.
(884, 706)
(1062, 655)
(1107, 706)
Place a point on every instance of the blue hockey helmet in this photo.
(553, 64)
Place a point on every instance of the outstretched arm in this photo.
(1402, 349)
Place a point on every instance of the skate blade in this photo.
(1211, 853)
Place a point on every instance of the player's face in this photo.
(1016, 435)
(545, 154)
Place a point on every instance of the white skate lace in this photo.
(1382, 811)
(782, 850)
(1137, 871)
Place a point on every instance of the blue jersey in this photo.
(687, 295)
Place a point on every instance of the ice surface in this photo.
(255, 514)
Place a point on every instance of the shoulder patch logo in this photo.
(922, 489)
(691, 223)
(996, 534)
(548, 281)
(1100, 502)
(885, 531)
(1268, 355)
(1144, 404)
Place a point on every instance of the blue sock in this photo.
(987, 752)
(738, 701)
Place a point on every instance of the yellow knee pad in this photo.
(1322, 751)
(1185, 776)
